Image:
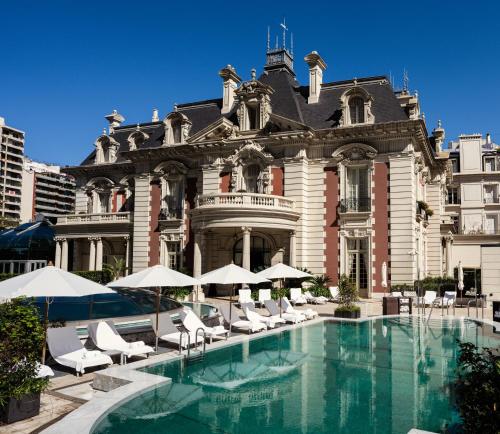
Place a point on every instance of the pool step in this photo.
(195, 357)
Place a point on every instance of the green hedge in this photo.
(5, 276)
(102, 277)
(438, 284)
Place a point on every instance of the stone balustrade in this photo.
(243, 200)
(111, 217)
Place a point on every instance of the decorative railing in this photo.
(170, 214)
(111, 217)
(356, 204)
(236, 200)
(476, 231)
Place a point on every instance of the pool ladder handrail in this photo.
(483, 302)
(189, 341)
(204, 339)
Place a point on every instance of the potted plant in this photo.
(21, 338)
(179, 293)
(348, 295)
(319, 285)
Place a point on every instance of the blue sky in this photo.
(65, 64)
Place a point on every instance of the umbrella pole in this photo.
(157, 316)
(45, 326)
(230, 307)
(281, 300)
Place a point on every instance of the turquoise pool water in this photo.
(381, 376)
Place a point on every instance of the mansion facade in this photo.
(335, 177)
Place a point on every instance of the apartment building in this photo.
(46, 190)
(331, 176)
(472, 210)
(11, 169)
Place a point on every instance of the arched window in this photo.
(260, 253)
(357, 110)
(176, 130)
(252, 178)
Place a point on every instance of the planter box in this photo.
(347, 314)
(19, 409)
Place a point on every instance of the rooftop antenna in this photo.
(268, 38)
(291, 43)
(285, 28)
(405, 80)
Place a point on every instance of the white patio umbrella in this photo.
(155, 277)
(460, 278)
(49, 282)
(384, 275)
(231, 275)
(281, 271)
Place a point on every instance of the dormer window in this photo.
(254, 104)
(137, 139)
(106, 149)
(357, 110)
(177, 127)
(356, 107)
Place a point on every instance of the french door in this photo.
(357, 261)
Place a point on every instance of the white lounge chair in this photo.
(264, 294)
(334, 292)
(245, 296)
(253, 315)
(296, 296)
(428, 298)
(67, 350)
(396, 294)
(106, 338)
(168, 332)
(234, 320)
(288, 308)
(313, 299)
(193, 324)
(449, 298)
(274, 310)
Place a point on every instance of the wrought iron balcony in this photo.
(355, 204)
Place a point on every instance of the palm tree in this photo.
(116, 269)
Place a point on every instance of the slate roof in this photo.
(288, 100)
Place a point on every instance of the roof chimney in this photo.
(155, 117)
(316, 67)
(230, 83)
(115, 119)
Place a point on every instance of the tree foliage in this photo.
(348, 293)
(21, 339)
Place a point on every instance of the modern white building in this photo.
(338, 177)
(473, 210)
(45, 190)
(11, 169)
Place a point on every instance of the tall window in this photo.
(252, 117)
(252, 178)
(176, 130)
(260, 253)
(489, 164)
(357, 197)
(174, 255)
(357, 110)
(491, 194)
(172, 198)
(104, 202)
(453, 198)
(357, 249)
(455, 166)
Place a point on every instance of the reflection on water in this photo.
(384, 376)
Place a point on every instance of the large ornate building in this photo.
(327, 176)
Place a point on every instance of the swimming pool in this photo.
(380, 376)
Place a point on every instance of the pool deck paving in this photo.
(68, 392)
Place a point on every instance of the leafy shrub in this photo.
(21, 339)
(5, 276)
(102, 277)
(478, 389)
(401, 288)
(352, 308)
(348, 293)
(178, 293)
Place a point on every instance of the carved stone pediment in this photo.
(249, 152)
(136, 139)
(171, 169)
(221, 129)
(354, 152)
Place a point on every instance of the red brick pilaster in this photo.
(380, 229)
(154, 231)
(278, 181)
(331, 231)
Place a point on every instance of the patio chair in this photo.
(193, 324)
(234, 320)
(106, 338)
(334, 292)
(296, 296)
(264, 294)
(253, 315)
(288, 308)
(245, 296)
(168, 332)
(314, 300)
(396, 294)
(67, 350)
(274, 310)
(428, 298)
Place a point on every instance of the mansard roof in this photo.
(288, 100)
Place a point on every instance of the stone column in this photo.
(92, 254)
(64, 255)
(98, 255)
(246, 247)
(127, 254)
(449, 266)
(292, 256)
(197, 254)
(58, 253)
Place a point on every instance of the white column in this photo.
(292, 255)
(58, 253)
(98, 255)
(197, 254)
(246, 247)
(64, 254)
(449, 267)
(127, 255)
(92, 254)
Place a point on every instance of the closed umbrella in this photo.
(281, 271)
(155, 277)
(384, 275)
(460, 278)
(49, 282)
(233, 275)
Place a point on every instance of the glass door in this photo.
(357, 255)
(357, 189)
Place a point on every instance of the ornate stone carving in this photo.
(136, 139)
(354, 152)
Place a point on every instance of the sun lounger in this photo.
(288, 308)
(253, 315)
(106, 338)
(334, 292)
(314, 300)
(193, 324)
(428, 298)
(274, 310)
(264, 294)
(67, 350)
(234, 320)
(296, 296)
(245, 296)
(396, 294)
(168, 332)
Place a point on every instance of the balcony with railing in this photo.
(99, 218)
(355, 205)
(237, 200)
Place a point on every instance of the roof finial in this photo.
(253, 72)
(439, 123)
(175, 106)
(285, 28)
(268, 38)
(104, 132)
(405, 80)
